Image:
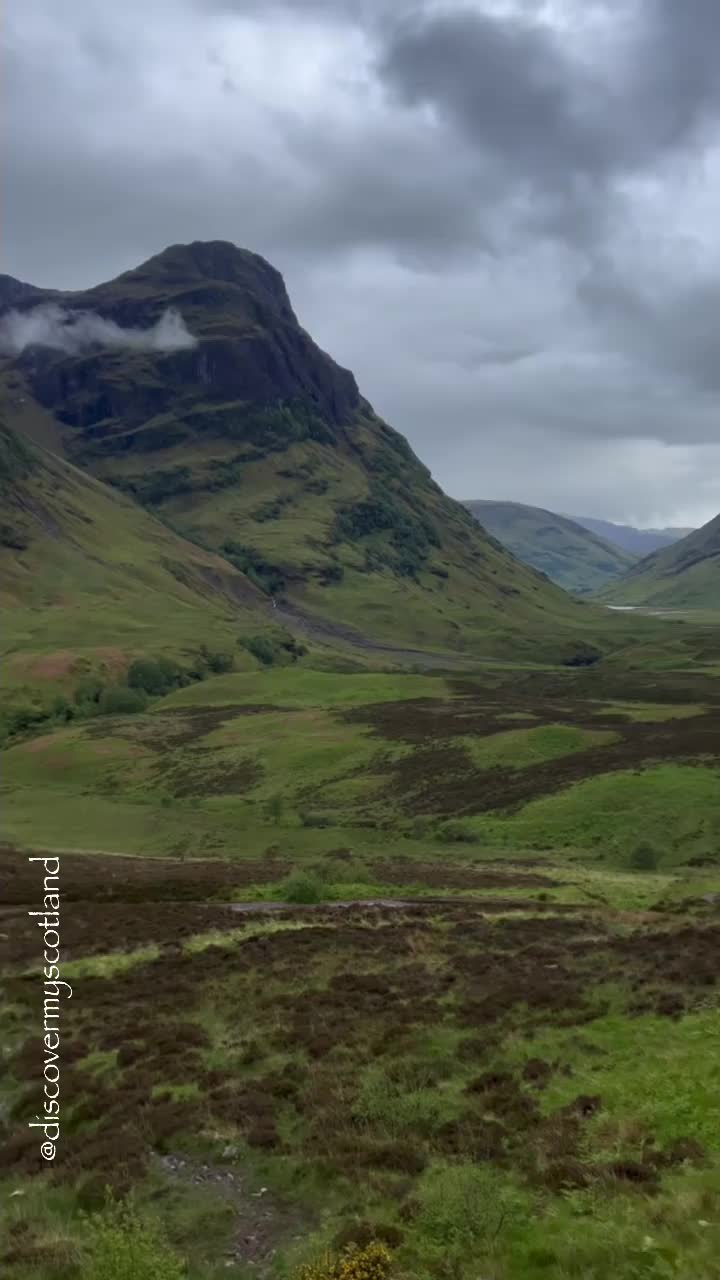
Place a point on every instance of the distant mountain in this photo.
(570, 555)
(639, 542)
(685, 575)
(189, 385)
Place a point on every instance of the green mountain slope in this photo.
(639, 542)
(575, 558)
(86, 575)
(249, 439)
(685, 575)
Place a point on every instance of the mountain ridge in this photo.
(640, 542)
(251, 441)
(572, 556)
(685, 574)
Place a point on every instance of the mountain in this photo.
(685, 575)
(639, 542)
(570, 555)
(189, 386)
(87, 576)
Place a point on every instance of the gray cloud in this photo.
(558, 125)
(53, 326)
(500, 215)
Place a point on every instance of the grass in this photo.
(73, 594)
(363, 1070)
(405, 1072)
(301, 687)
(521, 747)
(675, 807)
(314, 761)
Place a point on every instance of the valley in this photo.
(390, 871)
(466, 1009)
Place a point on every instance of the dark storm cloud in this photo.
(559, 126)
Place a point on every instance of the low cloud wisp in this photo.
(75, 331)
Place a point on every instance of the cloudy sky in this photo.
(501, 214)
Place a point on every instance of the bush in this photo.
(118, 700)
(155, 676)
(303, 889)
(60, 708)
(369, 1263)
(316, 820)
(330, 573)
(261, 648)
(123, 1245)
(267, 576)
(217, 660)
(464, 1209)
(18, 719)
(644, 858)
(87, 693)
(454, 832)
(274, 808)
(582, 654)
(278, 646)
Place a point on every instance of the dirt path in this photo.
(251, 908)
(261, 1223)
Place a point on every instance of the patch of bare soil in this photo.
(261, 1223)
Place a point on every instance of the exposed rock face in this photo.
(250, 349)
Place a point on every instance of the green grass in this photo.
(294, 687)
(652, 1075)
(391, 1082)
(294, 771)
(675, 807)
(520, 747)
(649, 713)
(100, 580)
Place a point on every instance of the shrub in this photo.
(268, 577)
(155, 676)
(118, 700)
(87, 693)
(369, 1263)
(455, 832)
(331, 573)
(145, 674)
(261, 648)
(464, 1208)
(274, 808)
(582, 654)
(124, 1245)
(61, 709)
(303, 889)
(315, 820)
(18, 719)
(217, 660)
(644, 858)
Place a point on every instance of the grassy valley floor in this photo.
(429, 959)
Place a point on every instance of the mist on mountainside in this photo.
(72, 332)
